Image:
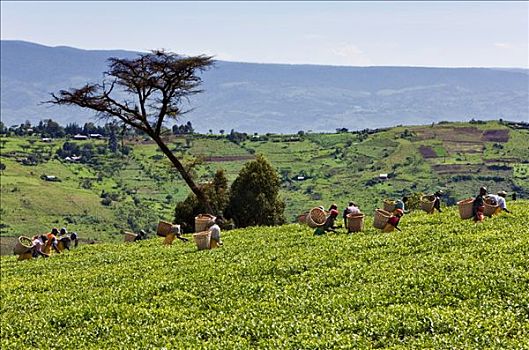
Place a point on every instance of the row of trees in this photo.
(51, 128)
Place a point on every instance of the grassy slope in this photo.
(340, 166)
(31, 205)
(441, 283)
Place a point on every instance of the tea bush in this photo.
(441, 283)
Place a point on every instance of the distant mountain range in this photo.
(277, 98)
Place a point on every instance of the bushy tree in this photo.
(113, 141)
(237, 137)
(218, 194)
(254, 196)
(89, 128)
(73, 129)
(50, 128)
(68, 149)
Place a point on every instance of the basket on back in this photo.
(389, 205)
(465, 208)
(164, 228)
(201, 221)
(302, 218)
(64, 243)
(202, 239)
(355, 222)
(22, 246)
(427, 203)
(316, 217)
(129, 236)
(381, 218)
(490, 207)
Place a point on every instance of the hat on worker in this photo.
(502, 193)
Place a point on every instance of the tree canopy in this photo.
(143, 93)
(254, 196)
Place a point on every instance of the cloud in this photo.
(351, 54)
(506, 46)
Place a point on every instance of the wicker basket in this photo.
(355, 222)
(22, 246)
(64, 243)
(389, 205)
(130, 237)
(316, 217)
(381, 218)
(490, 208)
(164, 228)
(25, 256)
(201, 221)
(465, 208)
(202, 239)
(46, 249)
(427, 203)
(169, 239)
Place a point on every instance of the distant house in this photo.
(46, 139)
(96, 136)
(51, 178)
(383, 176)
(80, 137)
(301, 177)
(72, 159)
(26, 161)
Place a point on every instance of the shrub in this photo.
(218, 194)
(86, 183)
(254, 197)
(414, 200)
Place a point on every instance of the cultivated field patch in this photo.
(427, 152)
(495, 135)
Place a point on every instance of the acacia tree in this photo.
(144, 92)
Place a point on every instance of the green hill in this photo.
(442, 283)
(315, 169)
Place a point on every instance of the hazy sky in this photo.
(441, 34)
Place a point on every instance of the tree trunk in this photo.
(201, 196)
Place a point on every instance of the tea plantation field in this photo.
(442, 283)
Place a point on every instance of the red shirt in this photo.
(393, 221)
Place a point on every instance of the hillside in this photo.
(442, 283)
(277, 98)
(315, 169)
